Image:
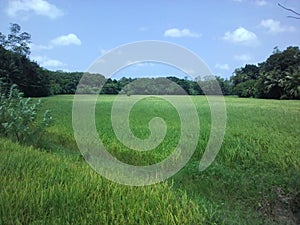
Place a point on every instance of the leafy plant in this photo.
(18, 116)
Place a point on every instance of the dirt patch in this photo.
(284, 208)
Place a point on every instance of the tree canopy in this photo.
(16, 41)
(15, 66)
(278, 77)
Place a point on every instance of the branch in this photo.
(288, 9)
(294, 17)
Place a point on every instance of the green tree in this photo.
(279, 75)
(15, 66)
(16, 41)
(110, 87)
(225, 85)
(244, 80)
(28, 76)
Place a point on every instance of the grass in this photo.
(43, 188)
(255, 172)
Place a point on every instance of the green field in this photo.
(255, 178)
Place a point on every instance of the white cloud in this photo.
(274, 26)
(243, 57)
(68, 39)
(63, 40)
(260, 2)
(35, 47)
(241, 36)
(52, 63)
(44, 61)
(222, 66)
(174, 32)
(39, 7)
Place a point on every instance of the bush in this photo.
(18, 117)
(246, 89)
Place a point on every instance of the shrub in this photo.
(18, 116)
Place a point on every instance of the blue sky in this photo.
(225, 34)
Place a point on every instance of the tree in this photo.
(279, 75)
(246, 89)
(28, 76)
(225, 85)
(276, 78)
(110, 87)
(244, 80)
(15, 41)
(16, 68)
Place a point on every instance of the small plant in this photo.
(18, 116)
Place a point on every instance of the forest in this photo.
(276, 78)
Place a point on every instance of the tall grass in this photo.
(43, 188)
(260, 153)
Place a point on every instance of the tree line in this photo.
(278, 77)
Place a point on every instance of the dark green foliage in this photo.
(28, 76)
(172, 86)
(277, 78)
(110, 87)
(246, 89)
(34, 81)
(244, 80)
(154, 86)
(225, 85)
(16, 68)
(68, 83)
(280, 75)
(63, 82)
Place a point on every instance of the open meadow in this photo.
(255, 178)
